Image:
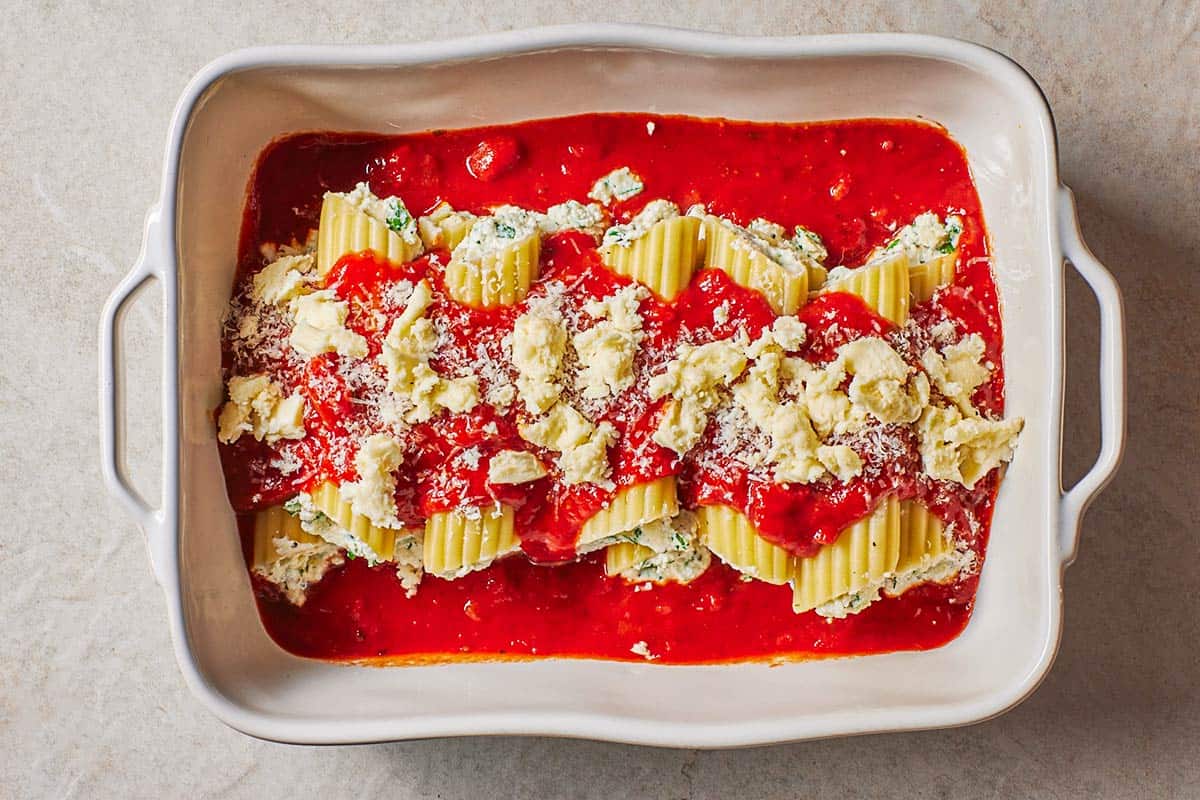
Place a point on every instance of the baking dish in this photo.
(240, 102)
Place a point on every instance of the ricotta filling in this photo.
(676, 553)
(391, 211)
(941, 570)
(619, 185)
(298, 565)
(801, 252)
(655, 211)
(924, 239)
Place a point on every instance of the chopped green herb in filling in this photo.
(953, 231)
(399, 219)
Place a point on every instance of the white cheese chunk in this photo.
(283, 279)
(656, 211)
(642, 649)
(373, 495)
(257, 406)
(582, 446)
(694, 379)
(621, 307)
(607, 350)
(964, 449)
(606, 354)
(829, 408)
(699, 370)
(320, 326)
(958, 370)
(406, 351)
(793, 442)
(883, 385)
(795, 448)
(682, 424)
(841, 460)
(785, 334)
(619, 185)
(538, 344)
(514, 466)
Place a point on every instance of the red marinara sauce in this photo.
(852, 182)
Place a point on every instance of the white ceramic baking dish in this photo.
(240, 102)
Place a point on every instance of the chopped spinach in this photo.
(400, 219)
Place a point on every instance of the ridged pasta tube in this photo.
(925, 279)
(923, 539)
(902, 544)
(382, 541)
(499, 278)
(624, 555)
(630, 507)
(785, 290)
(662, 259)
(729, 534)
(345, 228)
(883, 286)
(864, 553)
(276, 523)
(457, 543)
(289, 557)
(444, 227)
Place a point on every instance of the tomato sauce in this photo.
(852, 182)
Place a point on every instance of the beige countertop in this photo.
(91, 701)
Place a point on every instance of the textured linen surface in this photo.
(91, 701)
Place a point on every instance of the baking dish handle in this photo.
(1112, 376)
(112, 422)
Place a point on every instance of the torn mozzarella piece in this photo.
(257, 406)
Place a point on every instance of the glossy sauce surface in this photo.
(853, 183)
